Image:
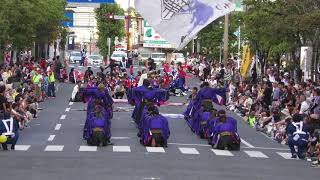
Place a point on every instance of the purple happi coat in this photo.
(139, 95)
(98, 122)
(155, 122)
(216, 127)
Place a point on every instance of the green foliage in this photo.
(63, 37)
(282, 26)
(211, 37)
(23, 22)
(109, 28)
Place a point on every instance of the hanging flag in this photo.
(179, 21)
(246, 61)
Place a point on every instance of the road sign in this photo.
(117, 17)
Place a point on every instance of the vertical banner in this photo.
(306, 61)
(246, 61)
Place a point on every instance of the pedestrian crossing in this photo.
(160, 150)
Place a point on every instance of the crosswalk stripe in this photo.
(22, 147)
(183, 150)
(70, 103)
(88, 148)
(189, 151)
(285, 155)
(256, 154)
(54, 148)
(67, 109)
(51, 137)
(155, 149)
(221, 152)
(246, 143)
(121, 149)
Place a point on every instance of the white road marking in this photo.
(266, 148)
(56, 148)
(206, 145)
(221, 152)
(155, 149)
(247, 144)
(256, 154)
(51, 137)
(151, 178)
(88, 148)
(121, 149)
(70, 103)
(174, 116)
(57, 128)
(68, 109)
(189, 151)
(181, 144)
(63, 116)
(286, 155)
(120, 137)
(22, 147)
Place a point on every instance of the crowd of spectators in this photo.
(268, 102)
(23, 85)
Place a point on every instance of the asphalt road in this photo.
(52, 148)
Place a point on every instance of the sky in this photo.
(124, 3)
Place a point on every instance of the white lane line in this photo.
(189, 151)
(63, 116)
(57, 128)
(256, 154)
(121, 149)
(22, 147)
(88, 148)
(155, 149)
(221, 152)
(68, 109)
(70, 103)
(120, 138)
(51, 137)
(266, 148)
(56, 148)
(247, 144)
(286, 155)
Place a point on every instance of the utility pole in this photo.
(239, 42)
(226, 39)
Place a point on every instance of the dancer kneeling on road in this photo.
(224, 133)
(98, 127)
(155, 129)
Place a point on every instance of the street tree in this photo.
(279, 27)
(23, 22)
(109, 28)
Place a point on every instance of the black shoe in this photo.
(12, 147)
(294, 156)
(5, 147)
